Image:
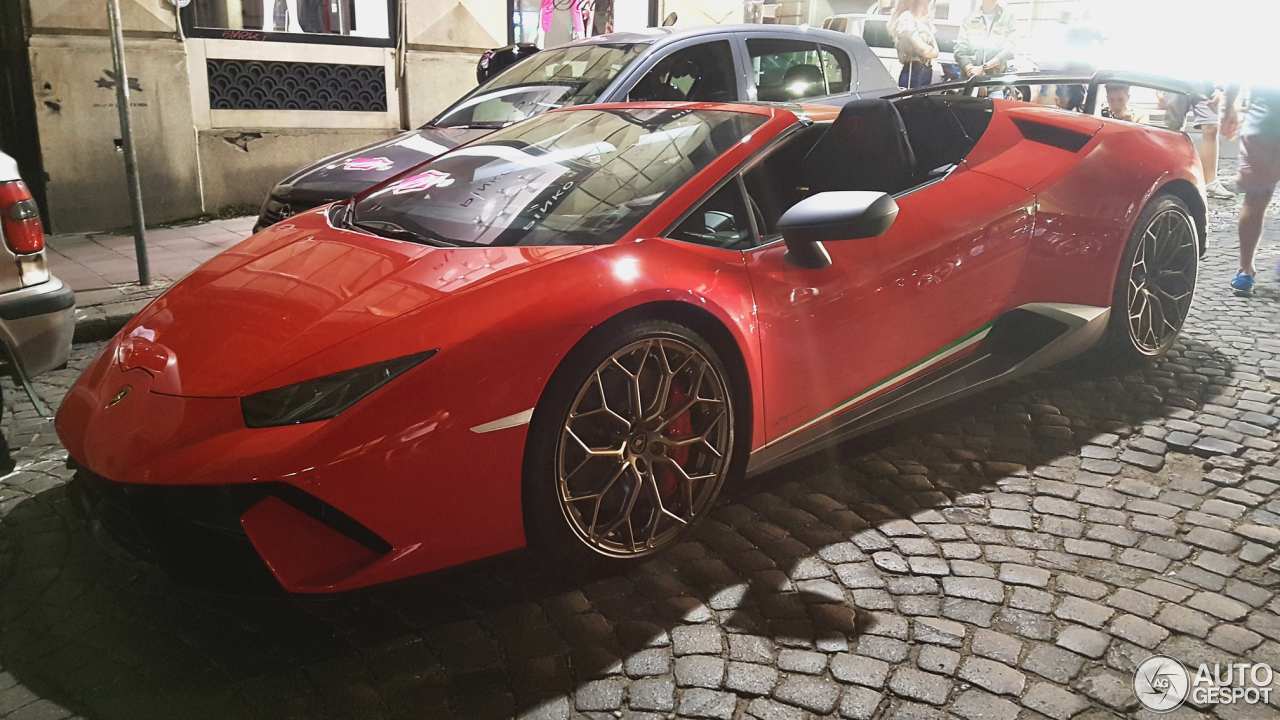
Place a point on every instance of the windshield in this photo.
(574, 178)
(550, 79)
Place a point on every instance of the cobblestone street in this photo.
(1012, 556)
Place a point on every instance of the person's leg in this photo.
(1175, 111)
(1252, 214)
(1259, 174)
(904, 77)
(1209, 152)
(1205, 118)
(924, 75)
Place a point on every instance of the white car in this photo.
(872, 26)
(37, 310)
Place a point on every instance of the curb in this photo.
(101, 313)
(102, 322)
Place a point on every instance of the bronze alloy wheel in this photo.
(1162, 281)
(644, 448)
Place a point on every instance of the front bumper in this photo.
(404, 462)
(241, 534)
(37, 324)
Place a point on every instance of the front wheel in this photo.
(1156, 282)
(629, 446)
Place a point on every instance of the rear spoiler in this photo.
(1102, 77)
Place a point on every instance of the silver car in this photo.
(37, 310)
(719, 63)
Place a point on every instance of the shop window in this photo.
(702, 73)
(791, 70)
(370, 21)
(549, 23)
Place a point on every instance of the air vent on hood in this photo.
(1059, 137)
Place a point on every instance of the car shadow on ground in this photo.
(782, 563)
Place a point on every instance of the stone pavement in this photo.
(1010, 557)
(100, 260)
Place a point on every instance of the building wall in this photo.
(193, 159)
(434, 80)
(80, 131)
(443, 41)
(692, 13)
(239, 167)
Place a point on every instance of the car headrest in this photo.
(799, 80)
(866, 148)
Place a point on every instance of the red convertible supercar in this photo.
(573, 332)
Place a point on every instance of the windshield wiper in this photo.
(395, 232)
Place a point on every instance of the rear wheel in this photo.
(630, 445)
(1156, 282)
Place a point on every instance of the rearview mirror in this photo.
(829, 216)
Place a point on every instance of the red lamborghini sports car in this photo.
(572, 333)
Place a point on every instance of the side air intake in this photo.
(1059, 137)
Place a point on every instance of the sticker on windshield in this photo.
(422, 181)
(378, 163)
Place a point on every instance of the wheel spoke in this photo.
(1161, 281)
(625, 514)
(644, 447)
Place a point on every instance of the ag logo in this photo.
(1161, 683)
(119, 396)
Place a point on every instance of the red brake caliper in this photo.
(680, 427)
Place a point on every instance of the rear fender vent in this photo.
(1059, 137)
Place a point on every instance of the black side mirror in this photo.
(828, 216)
(717, 221)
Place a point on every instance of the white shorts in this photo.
(1203, 114)
(1175, 114)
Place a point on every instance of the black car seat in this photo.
(866, 148)
(804, 81)
(938, 139)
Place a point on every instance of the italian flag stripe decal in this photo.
(919, 367)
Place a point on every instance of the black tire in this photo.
(1155, 283)
(562, 531)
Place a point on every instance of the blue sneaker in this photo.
(1242, 284)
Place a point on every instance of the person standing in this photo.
(915, 39)
(1259, 132)
(986, 41)
(1204, 117)
(1081, 43)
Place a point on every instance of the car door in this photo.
(702, 69)
(887, 308)
(788, 68)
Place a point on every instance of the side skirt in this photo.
(1023, 340)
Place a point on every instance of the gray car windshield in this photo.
(573, 178)
(550, 79)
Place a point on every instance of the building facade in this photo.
(227, 95)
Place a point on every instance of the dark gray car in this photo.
(720, 63)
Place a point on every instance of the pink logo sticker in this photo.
(422, 181)
(378, 163)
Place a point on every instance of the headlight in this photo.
(323, 397)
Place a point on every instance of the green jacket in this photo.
(978, 43)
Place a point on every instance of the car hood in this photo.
(345, 174)
(290, 292)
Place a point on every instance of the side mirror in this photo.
(717, 221)
(828, 216)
